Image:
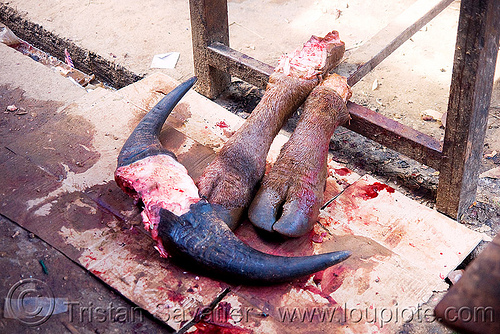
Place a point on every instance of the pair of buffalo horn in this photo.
(201, 235)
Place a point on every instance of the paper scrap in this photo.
(165, 60)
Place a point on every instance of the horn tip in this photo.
(340, 256)
(191, 81)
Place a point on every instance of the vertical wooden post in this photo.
(470, 93)
(209, 23)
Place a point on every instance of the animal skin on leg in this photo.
(295, 184)
(230, 180)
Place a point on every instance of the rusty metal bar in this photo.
(392, 134)
(238, 64)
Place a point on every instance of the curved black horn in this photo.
(203, 238)
(144, 140)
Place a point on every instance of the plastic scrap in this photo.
(68, 59)
(7, 37)
(67, 70)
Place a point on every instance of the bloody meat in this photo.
(159, 181)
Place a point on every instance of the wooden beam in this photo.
(85, 60)
(392, 134)
(209, 24)
(373, 52)
(470, 92)
(358, 63)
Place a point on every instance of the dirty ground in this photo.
(410, 82)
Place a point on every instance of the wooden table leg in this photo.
(209, 24)
(470, 93)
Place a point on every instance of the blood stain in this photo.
(318, 238)
(342, 171)
(217, 322)
(318, 292)
(328, 281)
(221, 124)
(175, 296)
(372, 190)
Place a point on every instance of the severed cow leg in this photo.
(290, 196)
(230, 180)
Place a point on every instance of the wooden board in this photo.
(403, 234)
(471, 305)
(77, 208)
(365, 58)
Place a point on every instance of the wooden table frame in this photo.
(458, 159)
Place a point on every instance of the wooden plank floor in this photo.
(62, 189)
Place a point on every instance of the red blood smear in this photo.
(174, 296)
(217, 322)
(210, 328)
(317, 291)
(221, 124)
(372, 190)
(318, 277)
(318, 238)
(342, 171)
(328, 281)
(331, 279)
